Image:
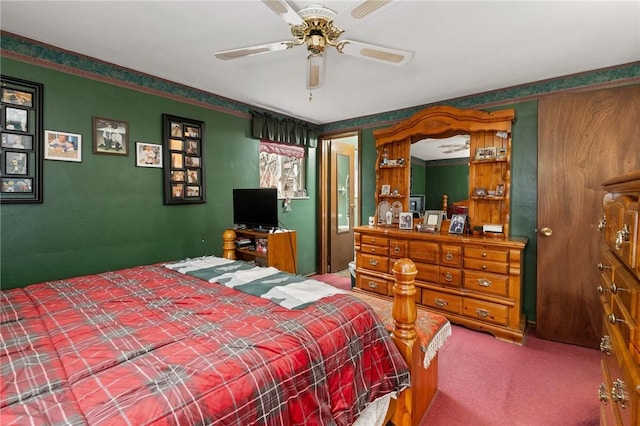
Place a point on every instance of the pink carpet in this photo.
(487, 382)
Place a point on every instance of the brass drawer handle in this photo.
(449, 256)
(484, 254)
(373, 262)
(483, 282)
(373, 284)
(396, 249)
(484, 266)
(441, 302)
(613, 320)
(615, 289)
(448, 277)
(603, 395)
(602, 266)
(605, 345)
(601, 289)
(619, 392)
(483, 312)
(602, 223)
(622, 236)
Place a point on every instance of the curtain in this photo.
(288, 131)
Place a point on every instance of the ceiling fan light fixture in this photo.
(316, 43)
(315, 71)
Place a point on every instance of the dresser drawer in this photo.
(427, 272)
(486, 254)
(450, 255)
(379, 250)
(443, 301)
(486, 283)
(486, 265)
(424, 251)
(398, 248)
(485, 311)
(626, 289)
(450, 277)
(372, 262)
(373, 284)
(374, 240)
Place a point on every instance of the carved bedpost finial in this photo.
(229, 244)
(445, 202)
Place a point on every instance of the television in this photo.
(255, 208)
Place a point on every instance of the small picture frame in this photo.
(501, 154)
(177, 160)
(385, 190)
(17, 97)
(405, 220)
(16, 119)
(193, 177)
(458, 224)
(176, 144)
(16, 141)
(193, 147)
(432, 221)
(148, 155)
(192, 161)
(500, 190)
(486, 153)
(110, 137)
(176, 129)
(177, 176)
(15, 163)
(62, 146)
(13, 185)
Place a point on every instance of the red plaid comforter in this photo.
(148, 345)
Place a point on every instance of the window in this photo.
(282, 167)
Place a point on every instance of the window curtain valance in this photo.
(282, 149)
(289, 131)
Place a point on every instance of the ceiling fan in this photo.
(317, 27)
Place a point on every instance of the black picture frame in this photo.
(22, 139)
(183, 153)
(110, 137)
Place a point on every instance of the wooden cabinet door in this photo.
(583, 140)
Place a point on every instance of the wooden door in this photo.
(583, 139)
(342, 206)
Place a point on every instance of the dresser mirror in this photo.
(440, 167)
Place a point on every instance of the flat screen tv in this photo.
(255, 208)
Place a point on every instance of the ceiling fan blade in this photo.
(254, 50)
(315, 71)
(360, 12)
(285, 11)
(375, 53)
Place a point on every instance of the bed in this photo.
(160, 344)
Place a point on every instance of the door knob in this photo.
(546, 232)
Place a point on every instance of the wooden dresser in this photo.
(473, 281)
(619, 291)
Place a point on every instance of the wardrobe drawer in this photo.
(486, 283)
(443, 301)
(372, 262)
(427, 272)
(424, 251)
(486, 265)
(373, 284)
(380, 250)
(450, 277)
(374, 240)
(486, 254)
(450, 255)
(398, 248)
(485, 311)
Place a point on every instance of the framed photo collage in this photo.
(183, 160)
(20, 141)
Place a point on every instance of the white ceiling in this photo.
(461, 47)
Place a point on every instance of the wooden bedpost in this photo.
(404, 331)
(229, 244)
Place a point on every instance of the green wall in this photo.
(105, 213)
(445, 178)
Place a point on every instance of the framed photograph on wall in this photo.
(21, 141)
(385, 190)
(110, 137)
(148, 155)
(183, 153)
(62, 146)
(406, 220)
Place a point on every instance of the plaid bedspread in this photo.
(148, 345)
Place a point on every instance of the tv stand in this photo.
(281, 248)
